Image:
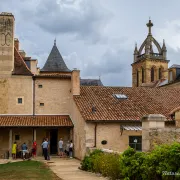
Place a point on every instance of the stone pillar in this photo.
(34, 135)
(149, 122)
(177, 118)
(10, 143)
(71, 134)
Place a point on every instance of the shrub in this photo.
(87, 163)
(132, 165)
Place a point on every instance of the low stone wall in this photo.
(154, 131)
(163, 136)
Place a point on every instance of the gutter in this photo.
(95, 135)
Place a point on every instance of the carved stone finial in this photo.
(164, 46)
(135, 49)
(149, 25)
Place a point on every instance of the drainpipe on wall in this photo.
(95, 132)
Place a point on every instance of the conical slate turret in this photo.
(55, 62)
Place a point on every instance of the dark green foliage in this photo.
(132, 165)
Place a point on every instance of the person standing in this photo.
(48, 151)
(67, 148)
(61, 147)
(24, 150)
(34, 149)
(71, 149)
(14, 147)
(45, 149)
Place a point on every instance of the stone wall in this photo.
(111, 133)
(163, 136)
(154, 131)
(55, 94)
(13, 88)
(79, 132)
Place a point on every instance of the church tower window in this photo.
(160, 73)
(142, 75)
(152, 74)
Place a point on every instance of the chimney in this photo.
(16, 43)
(75, 81)
(22, 53)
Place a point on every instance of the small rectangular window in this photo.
(19, 100)
(135, 142)
(40, 85)
(41, 104)
(17, 137)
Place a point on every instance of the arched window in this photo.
(152, 74)
(142, 75)
(137, 78)
(160, 73)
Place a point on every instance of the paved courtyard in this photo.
(67, 169)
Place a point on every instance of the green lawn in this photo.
(26, 170)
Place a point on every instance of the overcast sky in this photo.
(95, 36)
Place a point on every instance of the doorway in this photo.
(53, 141)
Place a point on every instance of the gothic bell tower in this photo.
(150, 61)
(6, 43)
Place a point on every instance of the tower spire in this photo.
(55, 42)
(149, 25)
(135, 49)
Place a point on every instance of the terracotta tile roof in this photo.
(20, 67)
(35, 121)
(141, 101)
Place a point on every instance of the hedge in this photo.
(132, 165)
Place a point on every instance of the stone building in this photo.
(150, 66)
(52, 102)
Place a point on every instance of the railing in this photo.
(151, 55)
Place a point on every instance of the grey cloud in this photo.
(115, 65)
(83, 20)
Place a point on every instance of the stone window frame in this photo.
(17, 100)
(41, 104)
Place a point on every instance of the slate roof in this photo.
(35, 121)
(55, 62)
(20, 67)
(90, 82)
(175, 66)
(141, 101)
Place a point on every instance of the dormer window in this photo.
(120, 96)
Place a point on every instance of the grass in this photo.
(26, 170)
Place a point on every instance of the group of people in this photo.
(24, 150)
(65, 150)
